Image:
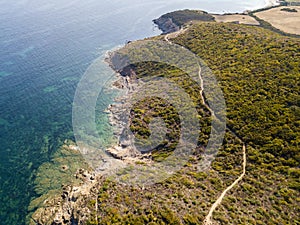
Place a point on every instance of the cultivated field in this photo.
(283, 20)
(242, 19)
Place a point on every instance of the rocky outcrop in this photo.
(166, 25)
(119, 119)
(173, 21)
(72, 205)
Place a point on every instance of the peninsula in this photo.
(255, 177)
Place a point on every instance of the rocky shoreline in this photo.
(119, 113)
(166, 25)
(64, 209)
(69, 182)
(173, 21)
(73, 205)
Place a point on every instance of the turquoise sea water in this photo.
(46, 46)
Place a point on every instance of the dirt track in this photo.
(208, 220)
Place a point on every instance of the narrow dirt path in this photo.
(174, 35)
(208, 218)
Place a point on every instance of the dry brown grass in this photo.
(242, 19)
(282, 20)
(292, 0)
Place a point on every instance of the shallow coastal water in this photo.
(46, 46)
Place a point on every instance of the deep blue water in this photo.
(46, 46)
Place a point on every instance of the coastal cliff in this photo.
(254, 72)
(166, 25)
(172, 22)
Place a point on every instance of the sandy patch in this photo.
(282, 20)
(241, 19)
(289, 1)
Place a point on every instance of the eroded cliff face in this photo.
(166, 25)
(173, 21)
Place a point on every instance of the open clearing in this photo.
(282, 20)
(292, 1)
(242, 19)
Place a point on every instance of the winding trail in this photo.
(174, 35)
(208, 218)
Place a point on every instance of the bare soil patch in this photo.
(241, 19)
(283, 20)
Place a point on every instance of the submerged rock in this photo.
(56, 183)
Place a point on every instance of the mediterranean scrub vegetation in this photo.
(145, 110)
(258, 71)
